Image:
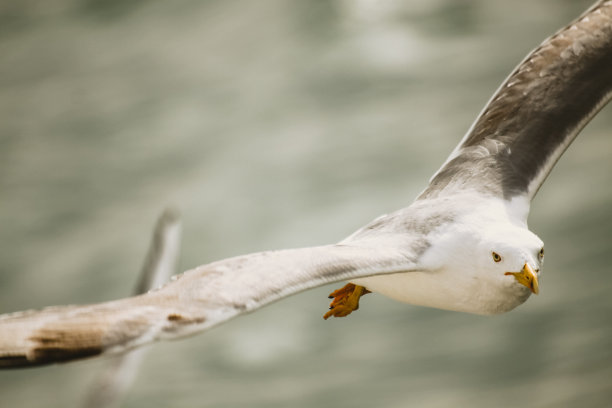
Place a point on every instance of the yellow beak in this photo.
(527, 277)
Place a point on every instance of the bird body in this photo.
(456, 270)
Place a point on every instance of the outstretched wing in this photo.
(536, 113)
(194, 301)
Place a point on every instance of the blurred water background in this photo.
(277, 124)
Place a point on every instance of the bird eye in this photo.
(542, 253)
(496, 257)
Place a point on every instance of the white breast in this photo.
(443, 290)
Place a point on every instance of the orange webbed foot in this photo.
(345, 300)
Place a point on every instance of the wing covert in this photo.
(536, 113)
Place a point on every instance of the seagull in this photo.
(463, 244)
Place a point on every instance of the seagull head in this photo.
(515, 255)
(492, 265)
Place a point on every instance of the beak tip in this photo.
(532, 278)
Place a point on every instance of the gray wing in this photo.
(536, 113)
(195, 301)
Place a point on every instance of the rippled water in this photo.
(282, 124)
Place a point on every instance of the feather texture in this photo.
(536, 113)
